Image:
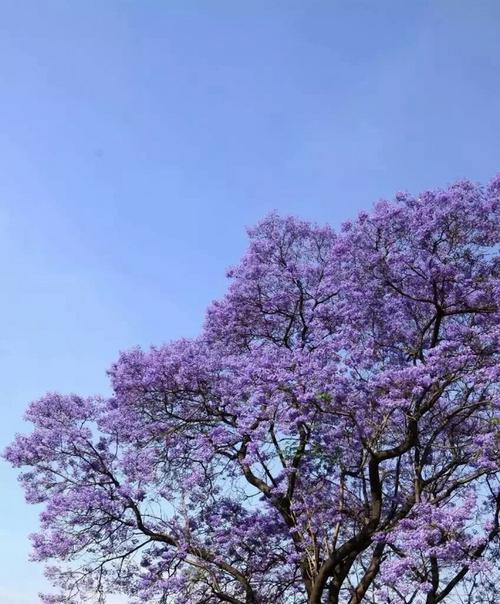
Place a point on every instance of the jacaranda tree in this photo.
(331, 436)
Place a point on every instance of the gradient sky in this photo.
(139, 139)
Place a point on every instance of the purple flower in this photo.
(335, 425)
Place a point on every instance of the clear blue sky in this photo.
(138, 139)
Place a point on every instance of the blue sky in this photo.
(138, 139)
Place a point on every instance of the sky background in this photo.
(139, 139)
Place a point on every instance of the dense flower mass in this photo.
(330, 438)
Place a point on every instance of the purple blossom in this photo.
(330, 436)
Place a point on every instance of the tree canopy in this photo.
(330, 437)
